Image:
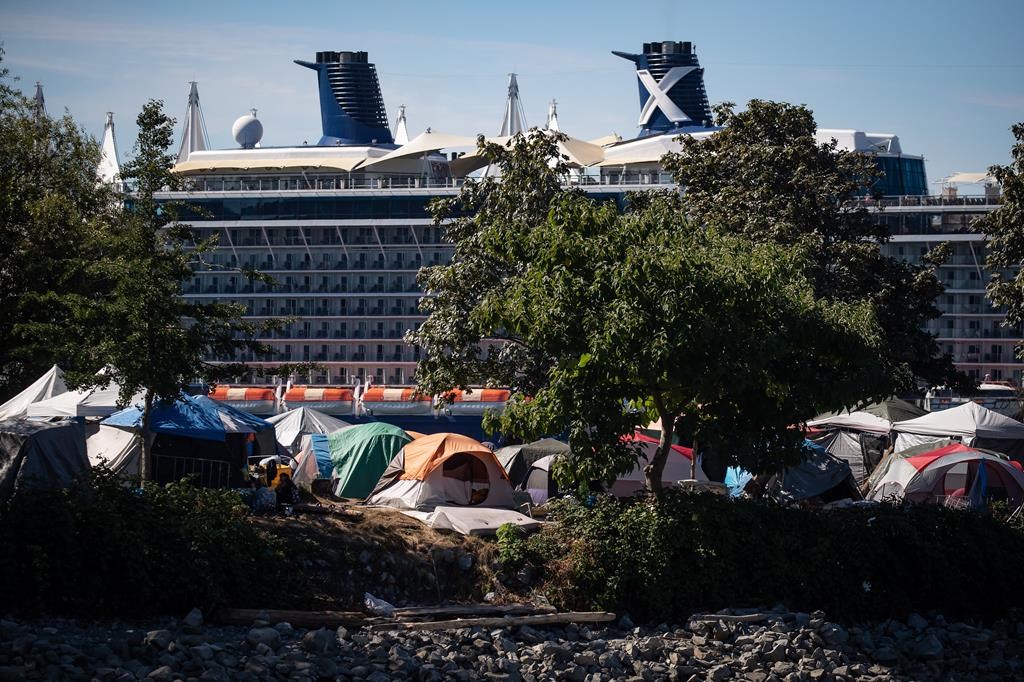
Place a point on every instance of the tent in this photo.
(971, 423)
(821, 475)
(198, 436)
(292, 425)
(517, 459)
(891, 410)
(114, 448)
(541, 486)
(313, 460)
(857, 438)
(443, 469)
(360, 454)
(39, 454)
(87, 402)
(43, 388)
(951, 473)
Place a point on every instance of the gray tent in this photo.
(821, 475)
(517, 459)
(40, 454)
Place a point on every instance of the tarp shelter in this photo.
(971, 423)
(821, 475)
(857, 438)
(116, 449)
(202, 437)
(313, 460)
(40, 454)
(443, 469)
(88, 402)
(360, 454)
(292, 425)
(892, 410)
(951, 473)
(517, 459)
(47, 386)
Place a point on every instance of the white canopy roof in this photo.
(198, 163)
(424, 143)
(854, 421)
(46, 386)
(90, 402)
(968, 420)
(292, 425)
(958, 178)
(579, 153)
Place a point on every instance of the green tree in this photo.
(150, 339)
(50, 207)
(765, 176)
(607, 319)
(1005, 230)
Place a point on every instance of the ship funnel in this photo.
(351, 106)
(671, 83)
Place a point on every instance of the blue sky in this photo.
(947, 77)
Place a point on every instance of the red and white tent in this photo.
(952, 471)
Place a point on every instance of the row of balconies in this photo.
(256, 288)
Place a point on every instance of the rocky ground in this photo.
(782, 646)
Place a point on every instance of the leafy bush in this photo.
(698, 552)
(511, 546)
(100, 549)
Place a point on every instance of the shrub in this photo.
(100, 549)
(511, 546)
(694, 552)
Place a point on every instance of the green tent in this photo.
(360, 454)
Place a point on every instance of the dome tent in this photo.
(952, 471)
(857, 438)
(443, 469)
(47, 386)
(360, 454)
(517, 459)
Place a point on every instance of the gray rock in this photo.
(264, 635)
(585, 659)
(161, 639)
(719, 672)
(162, 674)
(834, 634)
(194, 620)
(885, 654)
(928, 648)
(319, 641)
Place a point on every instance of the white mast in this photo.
(514, 120)
(193, 137)
(109, 170)
(401, 131)
(552, 117)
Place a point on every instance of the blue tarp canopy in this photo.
(322, 453)
(193, 416)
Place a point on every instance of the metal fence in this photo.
(206, 473)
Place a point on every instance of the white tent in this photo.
(115, 448)
(971, 423)
(424, 143)
(89, 402)
(853, 421)
(46, 386)
(292, 425)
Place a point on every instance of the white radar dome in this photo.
(247, 130)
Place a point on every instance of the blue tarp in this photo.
(192, 417)
(322, 452)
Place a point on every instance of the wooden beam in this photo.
(299, 619)
(436, 612)
(504, 622)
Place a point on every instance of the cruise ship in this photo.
(343, 227)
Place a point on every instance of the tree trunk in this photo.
(693, 461)
(656, 467)
(145, 463)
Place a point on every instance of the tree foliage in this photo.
(50, 208)
(609, 319)
(765, 176)
(1005, 230)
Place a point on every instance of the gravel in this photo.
(782, 647)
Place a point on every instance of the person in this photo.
(287, 492)
(265, 499)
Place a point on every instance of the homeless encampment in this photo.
(40, 454)
(200, 437)
(517, 459)
(821, 477)
(292, 425)
(47, 386)
(952, 473)
(87, 402)
(970, 423)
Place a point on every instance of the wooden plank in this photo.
(438, 612)
(299, 619)
(504, 622)
(727, 618)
